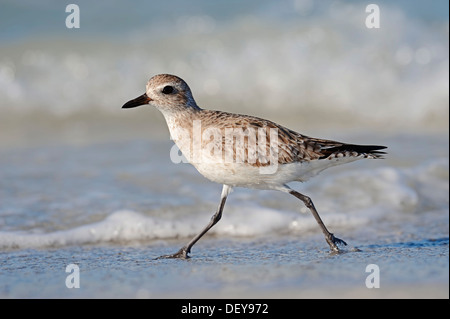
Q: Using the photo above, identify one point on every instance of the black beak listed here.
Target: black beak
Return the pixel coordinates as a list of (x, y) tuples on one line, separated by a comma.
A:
[(141, 100)]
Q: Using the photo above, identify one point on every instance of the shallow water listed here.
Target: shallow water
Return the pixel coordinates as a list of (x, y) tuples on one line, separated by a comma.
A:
[(112, 212), (245, 268)]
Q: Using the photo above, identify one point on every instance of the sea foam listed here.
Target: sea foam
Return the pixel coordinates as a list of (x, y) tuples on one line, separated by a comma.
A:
[(346, 200), (324, 63)]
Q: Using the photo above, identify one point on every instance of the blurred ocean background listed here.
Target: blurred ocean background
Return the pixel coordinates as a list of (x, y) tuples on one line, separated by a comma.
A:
[(84, 180)]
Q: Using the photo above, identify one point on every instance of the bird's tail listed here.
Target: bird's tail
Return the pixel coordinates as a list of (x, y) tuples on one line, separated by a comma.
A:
[(368, 151)]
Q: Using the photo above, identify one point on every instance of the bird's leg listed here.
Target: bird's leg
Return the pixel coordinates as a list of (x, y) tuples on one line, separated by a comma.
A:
[(329, 237), (185, 250)]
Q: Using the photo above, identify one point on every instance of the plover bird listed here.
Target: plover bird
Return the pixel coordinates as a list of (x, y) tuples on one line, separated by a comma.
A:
[(244, 151)]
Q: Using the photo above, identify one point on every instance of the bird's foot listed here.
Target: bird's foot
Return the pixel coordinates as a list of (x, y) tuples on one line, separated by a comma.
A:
[(181, 254), (334, 242)]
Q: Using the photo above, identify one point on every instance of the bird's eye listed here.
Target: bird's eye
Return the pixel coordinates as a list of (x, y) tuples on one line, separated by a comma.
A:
[(168, 89)]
